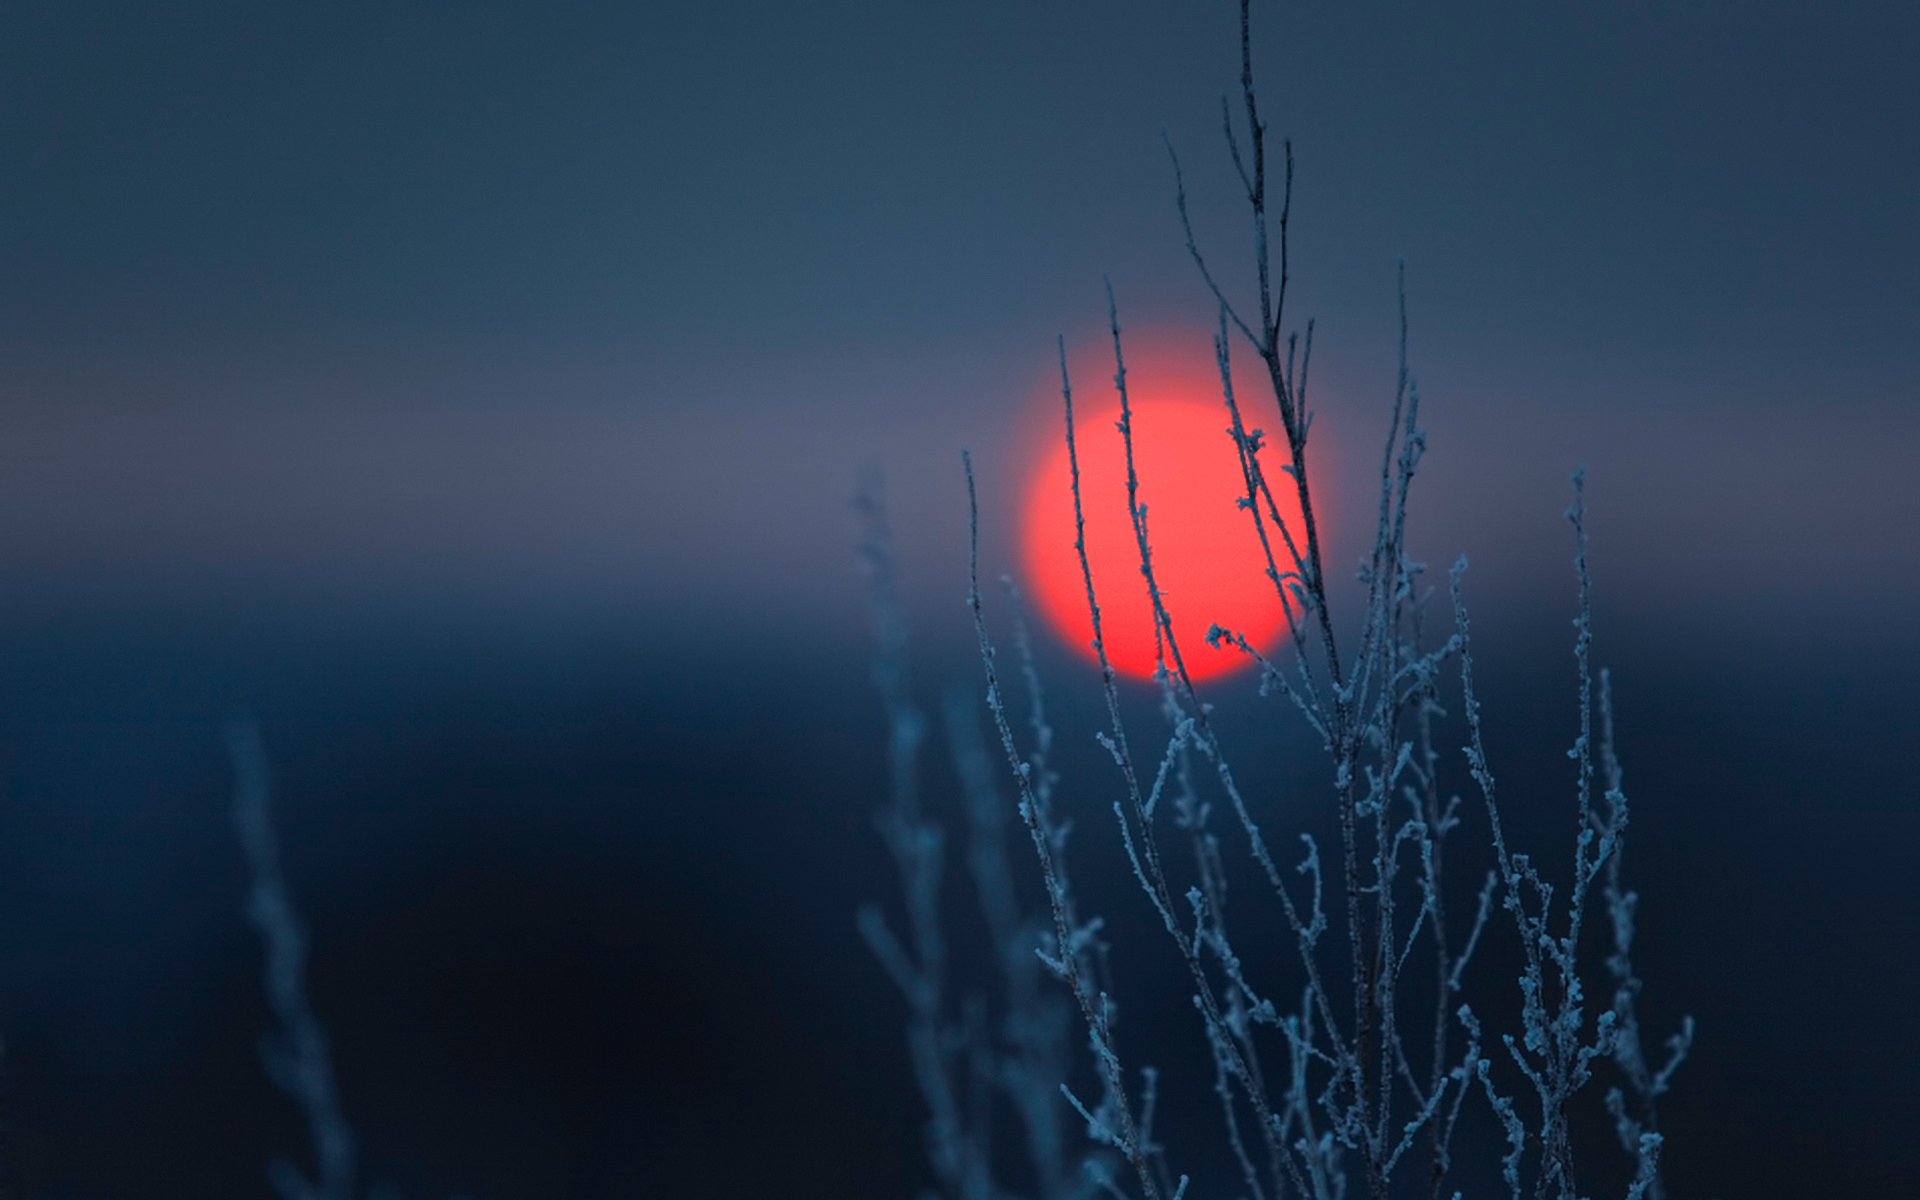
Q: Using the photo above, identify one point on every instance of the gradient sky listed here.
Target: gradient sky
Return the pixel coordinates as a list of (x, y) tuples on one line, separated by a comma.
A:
[(420, 306), (475, 391)]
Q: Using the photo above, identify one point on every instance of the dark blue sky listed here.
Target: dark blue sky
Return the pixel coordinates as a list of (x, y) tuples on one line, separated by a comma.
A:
[(573, 294), (474, 391)]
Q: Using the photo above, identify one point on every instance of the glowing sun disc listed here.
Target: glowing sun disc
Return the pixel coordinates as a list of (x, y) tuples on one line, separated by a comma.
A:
[(1207, 557)]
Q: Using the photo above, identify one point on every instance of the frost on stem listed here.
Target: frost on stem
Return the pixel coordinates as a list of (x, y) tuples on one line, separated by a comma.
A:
[(296, 1056), (982, 1048), (1556, 1050)]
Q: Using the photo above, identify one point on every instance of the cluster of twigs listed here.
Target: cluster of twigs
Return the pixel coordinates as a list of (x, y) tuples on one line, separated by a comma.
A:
[(1341, 1085)]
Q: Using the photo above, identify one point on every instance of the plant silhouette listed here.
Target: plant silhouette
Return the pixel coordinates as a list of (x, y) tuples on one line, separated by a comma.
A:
[(1351, 1074)]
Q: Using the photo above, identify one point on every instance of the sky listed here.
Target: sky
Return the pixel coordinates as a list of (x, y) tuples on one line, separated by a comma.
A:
[(475, 392), (577, 292)]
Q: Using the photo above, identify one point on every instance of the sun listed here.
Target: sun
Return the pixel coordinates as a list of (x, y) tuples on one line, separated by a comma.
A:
[(1207, 556)]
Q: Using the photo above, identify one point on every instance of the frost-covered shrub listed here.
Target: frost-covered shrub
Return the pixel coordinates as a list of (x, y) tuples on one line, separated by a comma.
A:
[(1353, 1077)]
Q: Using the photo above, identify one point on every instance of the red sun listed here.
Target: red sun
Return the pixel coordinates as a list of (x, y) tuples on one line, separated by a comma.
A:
[(1207, 556)]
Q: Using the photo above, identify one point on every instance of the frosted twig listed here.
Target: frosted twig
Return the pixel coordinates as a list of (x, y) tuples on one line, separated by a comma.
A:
[(296, 1058), (1067, 961)]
